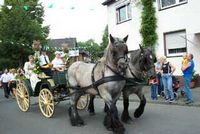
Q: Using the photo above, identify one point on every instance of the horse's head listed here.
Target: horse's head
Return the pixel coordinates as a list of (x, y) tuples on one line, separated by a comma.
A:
[(147, 60), (118, 52)]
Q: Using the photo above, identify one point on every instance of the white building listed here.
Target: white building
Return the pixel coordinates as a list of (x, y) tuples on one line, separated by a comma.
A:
[(178, 27)]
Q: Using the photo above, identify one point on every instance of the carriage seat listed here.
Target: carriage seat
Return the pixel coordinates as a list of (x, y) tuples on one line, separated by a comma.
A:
[(60, 77)]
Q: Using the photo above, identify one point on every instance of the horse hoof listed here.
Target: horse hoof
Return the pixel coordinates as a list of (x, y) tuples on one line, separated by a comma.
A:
[(128, 120), (138, 113), (109, 128)]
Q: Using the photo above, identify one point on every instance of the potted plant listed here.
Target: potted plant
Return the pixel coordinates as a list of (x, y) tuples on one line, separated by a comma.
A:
[(194, 79)]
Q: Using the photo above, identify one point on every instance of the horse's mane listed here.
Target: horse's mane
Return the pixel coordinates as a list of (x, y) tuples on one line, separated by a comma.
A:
[(135, 54)]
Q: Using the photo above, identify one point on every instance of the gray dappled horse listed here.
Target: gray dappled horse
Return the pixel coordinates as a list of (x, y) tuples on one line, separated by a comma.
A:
[(82, 76), (141, 65)]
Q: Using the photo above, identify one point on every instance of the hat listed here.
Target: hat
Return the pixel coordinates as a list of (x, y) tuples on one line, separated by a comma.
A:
[(57, 52)]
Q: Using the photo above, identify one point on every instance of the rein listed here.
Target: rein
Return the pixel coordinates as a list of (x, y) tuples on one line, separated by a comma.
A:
[(95, 84)]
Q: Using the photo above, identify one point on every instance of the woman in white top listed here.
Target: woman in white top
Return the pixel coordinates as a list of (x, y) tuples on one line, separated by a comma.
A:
[(28, 68), (58, 63)]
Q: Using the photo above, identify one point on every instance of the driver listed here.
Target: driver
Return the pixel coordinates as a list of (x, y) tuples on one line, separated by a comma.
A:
[(58, 63)]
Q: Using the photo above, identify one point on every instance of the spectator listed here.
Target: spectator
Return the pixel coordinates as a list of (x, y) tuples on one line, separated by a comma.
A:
[(187, 76), (12, 82), (58, 63), (158, 75), (153, 82), (5, 78), (167, 72)]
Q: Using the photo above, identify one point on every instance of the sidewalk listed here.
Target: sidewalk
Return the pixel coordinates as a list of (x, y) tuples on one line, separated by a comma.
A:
[(179, 101)]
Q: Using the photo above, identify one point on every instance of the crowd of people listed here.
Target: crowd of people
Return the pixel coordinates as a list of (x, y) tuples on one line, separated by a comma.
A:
[(8, 78), (163, 82)]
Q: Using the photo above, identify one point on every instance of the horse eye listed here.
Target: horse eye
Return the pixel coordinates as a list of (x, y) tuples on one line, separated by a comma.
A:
[(150, 57)]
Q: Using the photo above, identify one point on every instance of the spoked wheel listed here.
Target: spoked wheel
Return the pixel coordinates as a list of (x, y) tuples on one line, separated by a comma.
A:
[(83, 102), (46, 102), (22, 97)]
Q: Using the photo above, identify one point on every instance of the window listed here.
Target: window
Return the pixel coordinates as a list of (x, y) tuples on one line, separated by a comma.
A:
[(175, 43), (170, 3), (123, 13)]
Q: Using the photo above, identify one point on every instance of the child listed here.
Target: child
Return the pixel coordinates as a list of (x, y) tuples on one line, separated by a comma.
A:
[(185, 61), (153, 82)]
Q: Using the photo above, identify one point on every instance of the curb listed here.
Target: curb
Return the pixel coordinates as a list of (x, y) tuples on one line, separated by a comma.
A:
[(164, 103)]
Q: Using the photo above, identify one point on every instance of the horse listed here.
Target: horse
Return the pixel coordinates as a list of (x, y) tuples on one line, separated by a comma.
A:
[(141, 65), (104, 78)]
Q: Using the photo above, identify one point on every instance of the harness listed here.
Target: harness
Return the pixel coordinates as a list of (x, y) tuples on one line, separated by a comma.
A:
[(95, 84)]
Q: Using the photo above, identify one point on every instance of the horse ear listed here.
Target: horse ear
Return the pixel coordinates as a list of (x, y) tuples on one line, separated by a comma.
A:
[(125, 38), (141, 48), (112, 40)]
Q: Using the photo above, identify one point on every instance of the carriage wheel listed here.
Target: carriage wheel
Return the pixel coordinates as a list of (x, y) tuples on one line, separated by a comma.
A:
[(83, 102), (22, 97), (46, 102)]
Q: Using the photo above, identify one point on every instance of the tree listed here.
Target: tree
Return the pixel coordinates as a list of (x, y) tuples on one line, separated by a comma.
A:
[(92, 47), (105, 40), (21, 23), (148, 24)]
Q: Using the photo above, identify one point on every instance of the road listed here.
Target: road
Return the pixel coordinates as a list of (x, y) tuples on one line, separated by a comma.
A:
[(157, 119)]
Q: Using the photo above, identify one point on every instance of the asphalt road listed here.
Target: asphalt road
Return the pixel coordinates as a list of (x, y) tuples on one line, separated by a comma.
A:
[(157, 119)]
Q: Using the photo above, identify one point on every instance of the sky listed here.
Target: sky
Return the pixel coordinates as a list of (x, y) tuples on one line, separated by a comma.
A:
[(82, 19)]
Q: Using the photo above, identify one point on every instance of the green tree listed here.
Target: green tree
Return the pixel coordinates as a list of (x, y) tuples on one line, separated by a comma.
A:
[(92, 47), (148, 24), (20, 24), (105, 40)]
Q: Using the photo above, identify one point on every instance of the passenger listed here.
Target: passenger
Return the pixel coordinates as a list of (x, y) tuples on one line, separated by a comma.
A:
[(58, 63), (28, 68), (45, 64)]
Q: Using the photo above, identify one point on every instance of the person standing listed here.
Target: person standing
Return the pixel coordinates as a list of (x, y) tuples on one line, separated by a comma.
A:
[(167, 72), (5, 78), (158, 69), (187, 76), (153, 82)]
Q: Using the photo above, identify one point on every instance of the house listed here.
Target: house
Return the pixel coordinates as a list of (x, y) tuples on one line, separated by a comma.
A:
[(178, 27), (58, 43), (70, 43)]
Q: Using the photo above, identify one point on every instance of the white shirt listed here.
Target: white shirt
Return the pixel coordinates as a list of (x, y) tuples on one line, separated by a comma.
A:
[(28, 68), (5, 78), (12, 76), (57, 63), (42, 60)]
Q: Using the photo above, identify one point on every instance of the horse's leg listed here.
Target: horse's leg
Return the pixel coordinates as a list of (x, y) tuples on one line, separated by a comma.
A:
[(111, 120), (139, 111), (91, 105), (73, 112), (125, 117)]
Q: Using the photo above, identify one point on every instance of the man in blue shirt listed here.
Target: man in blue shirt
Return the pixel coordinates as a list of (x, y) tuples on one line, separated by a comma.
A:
[(187, 76)]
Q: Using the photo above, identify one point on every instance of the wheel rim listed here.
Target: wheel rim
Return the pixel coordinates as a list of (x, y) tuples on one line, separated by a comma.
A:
[(22, 97), (46, 102), (82, 102)]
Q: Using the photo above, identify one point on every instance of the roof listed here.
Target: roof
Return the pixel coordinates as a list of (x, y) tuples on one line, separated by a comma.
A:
[(58, 42), (108, 2)]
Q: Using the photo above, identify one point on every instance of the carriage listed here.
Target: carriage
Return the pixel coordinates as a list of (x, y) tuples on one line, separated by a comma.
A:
[(50, 90)]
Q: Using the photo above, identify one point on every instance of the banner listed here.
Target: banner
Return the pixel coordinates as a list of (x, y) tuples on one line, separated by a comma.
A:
[(73, 53)]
